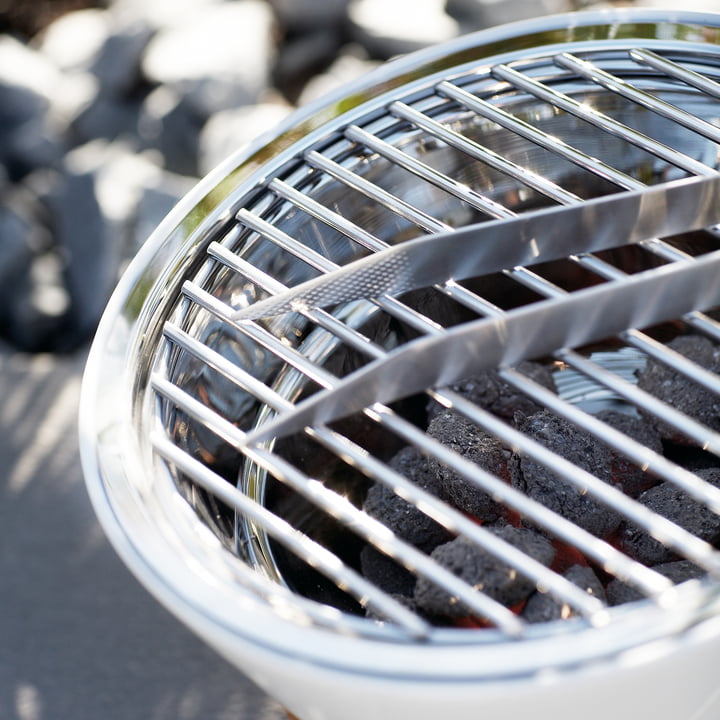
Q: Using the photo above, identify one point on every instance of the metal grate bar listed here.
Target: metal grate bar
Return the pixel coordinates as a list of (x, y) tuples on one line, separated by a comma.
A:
[(629, 91), (456, 521), (316, 555), (374, 192), (300, 544), (327, 216), (695, 431), (641, 455), (661, 528), (613, 561), (320, 317), (375, 532), (706, 438), (604, 122), (479, 152), (672, 69), (230, 370), (651, 347), (427, 173), (285, 242), (314, 259), (538, 137), (283, 352)]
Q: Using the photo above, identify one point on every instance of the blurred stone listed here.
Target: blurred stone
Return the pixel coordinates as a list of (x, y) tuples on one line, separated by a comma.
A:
[(73, 41), (28, 318), (388, 29), (167, 122), (84, 241), (117, 64), (34, 144), (36, 106), (217, 58), (229, 130), (15, 250), (352, 63), (478, 14), (39, 76), (153, 206), (159, 13), (309, 14), (106, 117), (302, 57)]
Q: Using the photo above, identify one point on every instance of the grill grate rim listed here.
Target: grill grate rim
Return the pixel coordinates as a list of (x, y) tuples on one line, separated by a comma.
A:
[(307, 360)]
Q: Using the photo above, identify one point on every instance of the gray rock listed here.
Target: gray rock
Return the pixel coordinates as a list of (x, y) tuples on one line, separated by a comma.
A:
[(34, 144), (85, 242), (35, 107), (388, 29), (158, 13), (32, 301), (16, 252), (227, 131), (38, 75), (117, 64), (155, 203), (217, 58), (302, 57), (353, 62), (74, 40), (167, 122), (309, 14), (106, 117), (477, 14)]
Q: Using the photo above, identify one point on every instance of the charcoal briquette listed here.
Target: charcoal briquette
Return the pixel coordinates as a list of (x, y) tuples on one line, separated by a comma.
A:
[(543, 485), (619, 592), (483, 571), (472, 443), (403, 518), (676, 505), (544, 607), (488, 390), (678, 390)]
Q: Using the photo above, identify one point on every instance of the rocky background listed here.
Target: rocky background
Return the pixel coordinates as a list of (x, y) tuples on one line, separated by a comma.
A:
[(110, 110)]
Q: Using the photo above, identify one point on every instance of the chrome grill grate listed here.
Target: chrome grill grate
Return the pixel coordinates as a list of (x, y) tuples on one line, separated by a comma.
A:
[(478, 143)]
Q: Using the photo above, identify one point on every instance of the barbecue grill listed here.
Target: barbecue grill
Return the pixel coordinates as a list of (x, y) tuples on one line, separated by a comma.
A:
[(311, 484)]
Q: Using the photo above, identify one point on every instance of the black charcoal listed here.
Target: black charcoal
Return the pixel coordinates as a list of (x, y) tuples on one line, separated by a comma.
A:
[(680, 392), (384, 572), (543, 485), (543, 607), (483, 571), (491, 392), (403, 518), (679, 571), (459, 434), (676, 505)]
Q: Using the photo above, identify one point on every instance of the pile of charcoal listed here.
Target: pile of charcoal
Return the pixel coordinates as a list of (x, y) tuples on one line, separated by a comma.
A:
[(500, 581)]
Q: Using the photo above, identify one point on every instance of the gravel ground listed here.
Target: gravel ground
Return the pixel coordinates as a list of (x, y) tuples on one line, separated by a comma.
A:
[(80, 638)]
